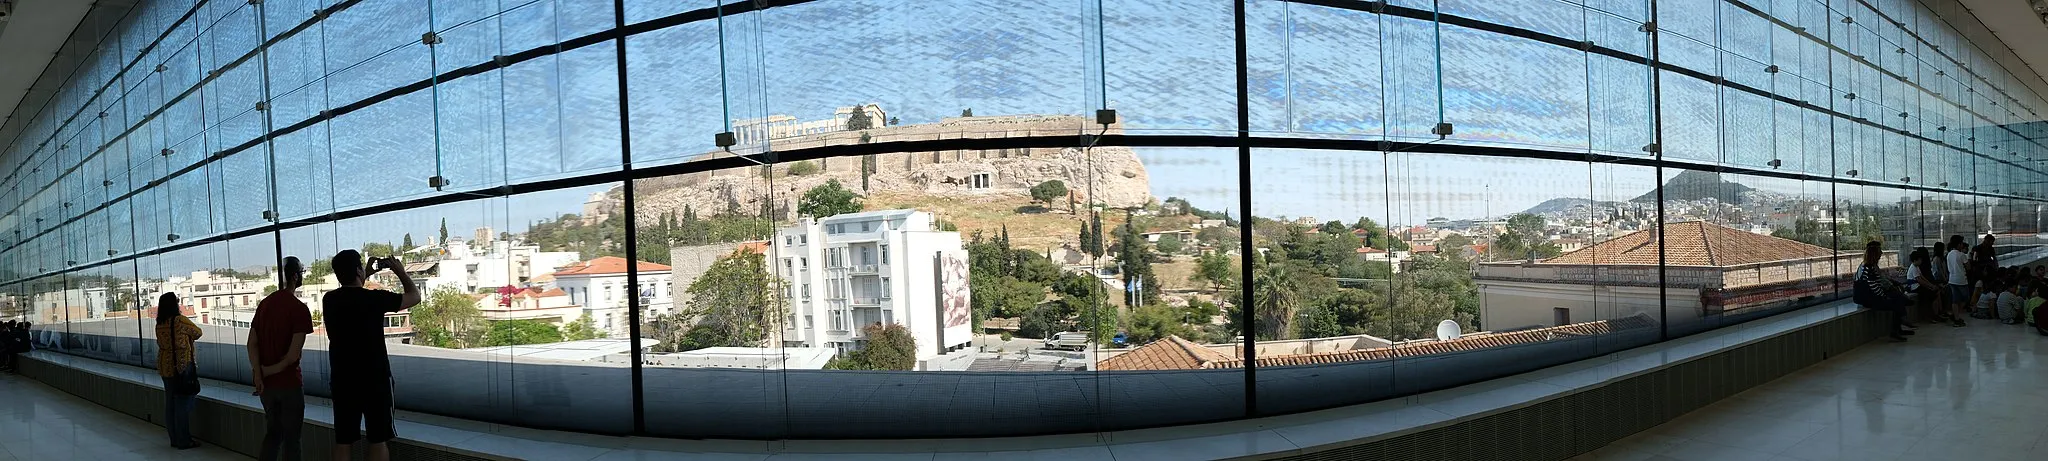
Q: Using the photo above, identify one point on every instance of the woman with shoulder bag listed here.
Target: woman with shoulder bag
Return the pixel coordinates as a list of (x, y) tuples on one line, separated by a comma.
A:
[(175, 336)]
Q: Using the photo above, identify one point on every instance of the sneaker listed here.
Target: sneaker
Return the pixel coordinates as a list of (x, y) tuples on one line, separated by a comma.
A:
[(1956, 322)]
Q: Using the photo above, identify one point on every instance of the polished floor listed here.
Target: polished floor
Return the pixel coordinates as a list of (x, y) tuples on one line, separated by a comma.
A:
[(38, 422), (1978, 393)]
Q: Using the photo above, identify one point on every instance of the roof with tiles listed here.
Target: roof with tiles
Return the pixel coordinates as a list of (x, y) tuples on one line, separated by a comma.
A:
[(1169, 353), (606, 265), (1462, 344), (1692, 243)]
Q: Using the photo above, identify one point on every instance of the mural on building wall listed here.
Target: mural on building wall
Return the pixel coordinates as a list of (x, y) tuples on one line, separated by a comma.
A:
[(953, 290)]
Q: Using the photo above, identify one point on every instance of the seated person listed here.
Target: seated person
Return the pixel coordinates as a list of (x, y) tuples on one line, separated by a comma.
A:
[(2009, 304), (1987, 299), (2033, 302)]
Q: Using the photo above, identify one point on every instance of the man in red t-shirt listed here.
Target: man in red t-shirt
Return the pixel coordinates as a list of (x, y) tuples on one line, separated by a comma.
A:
[(277, 337)]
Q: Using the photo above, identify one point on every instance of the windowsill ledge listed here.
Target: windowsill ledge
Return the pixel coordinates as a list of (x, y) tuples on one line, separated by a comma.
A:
[(1268, 436)]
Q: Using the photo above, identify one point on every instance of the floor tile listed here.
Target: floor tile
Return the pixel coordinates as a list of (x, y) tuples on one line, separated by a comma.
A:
[(1974, 392)]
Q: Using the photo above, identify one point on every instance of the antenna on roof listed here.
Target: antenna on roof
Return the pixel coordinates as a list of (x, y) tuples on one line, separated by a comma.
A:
[(1447, 330)]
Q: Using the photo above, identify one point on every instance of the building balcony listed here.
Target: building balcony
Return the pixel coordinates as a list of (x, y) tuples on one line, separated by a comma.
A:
[(865, 269), (867, 302)]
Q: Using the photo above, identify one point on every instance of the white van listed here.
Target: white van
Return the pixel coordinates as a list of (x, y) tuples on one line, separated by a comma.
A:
[(1068, 340)]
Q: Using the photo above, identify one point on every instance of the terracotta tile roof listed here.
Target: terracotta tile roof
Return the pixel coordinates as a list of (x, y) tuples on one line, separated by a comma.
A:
[(1423, 248), (606, 265), (542, 278), (552, 292), (1170, 353), (1692, 243), (1368, 250), (756, 247), (1462, 344)]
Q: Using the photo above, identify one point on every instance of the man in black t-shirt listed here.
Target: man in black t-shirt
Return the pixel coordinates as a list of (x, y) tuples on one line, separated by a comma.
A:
[(359, 370)]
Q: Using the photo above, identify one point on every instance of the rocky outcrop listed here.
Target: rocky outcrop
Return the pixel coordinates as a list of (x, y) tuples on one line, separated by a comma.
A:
[(1113, 176)]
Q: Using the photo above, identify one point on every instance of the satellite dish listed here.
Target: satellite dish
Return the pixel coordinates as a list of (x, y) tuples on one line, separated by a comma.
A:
[(1447, 330)]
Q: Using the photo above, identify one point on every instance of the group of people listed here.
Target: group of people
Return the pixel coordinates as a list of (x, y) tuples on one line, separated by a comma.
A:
[(14, 341), (1953, 281), (359, 374)]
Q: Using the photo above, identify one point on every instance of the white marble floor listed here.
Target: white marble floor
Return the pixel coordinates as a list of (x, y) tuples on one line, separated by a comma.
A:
[(1979, 392), (38, 422)]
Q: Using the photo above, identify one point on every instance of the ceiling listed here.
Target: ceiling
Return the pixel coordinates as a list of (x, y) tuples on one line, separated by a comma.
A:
[(28, 42), (2015, 23)]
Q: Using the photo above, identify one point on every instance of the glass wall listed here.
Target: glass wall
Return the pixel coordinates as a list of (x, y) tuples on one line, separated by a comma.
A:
[(809, 219)]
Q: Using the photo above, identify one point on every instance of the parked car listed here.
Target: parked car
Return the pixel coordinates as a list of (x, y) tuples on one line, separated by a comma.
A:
[(1068, 340)]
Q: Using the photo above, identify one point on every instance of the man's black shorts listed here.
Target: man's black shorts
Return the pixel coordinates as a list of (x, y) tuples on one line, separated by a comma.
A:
[(367, 404)]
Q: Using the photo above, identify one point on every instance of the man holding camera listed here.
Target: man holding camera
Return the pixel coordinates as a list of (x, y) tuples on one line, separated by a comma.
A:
[(360, 374)]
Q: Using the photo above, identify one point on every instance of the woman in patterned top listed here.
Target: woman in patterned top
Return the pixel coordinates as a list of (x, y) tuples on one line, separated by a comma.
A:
[(175, 336)]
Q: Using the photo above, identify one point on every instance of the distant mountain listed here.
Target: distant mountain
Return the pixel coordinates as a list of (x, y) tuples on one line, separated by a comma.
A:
[(1699, 185), (1564, 203)]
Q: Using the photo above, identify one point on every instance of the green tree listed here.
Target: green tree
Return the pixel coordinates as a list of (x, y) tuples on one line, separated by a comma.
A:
[(735, 302), (860, 119), (968, 112), (444, 233), (378, 250), (1169, 243), (407, 244), (1525, 238), (804, 168), (1042, 321), (448, 318), (1094, 244), (893, 121), (1134, 259), (319, 268), (867, 167), (1274, 300), (1048, 191), (521, 332), (890, 347), (1453, 245), (827, 200), (1153, 322), (581, 329)]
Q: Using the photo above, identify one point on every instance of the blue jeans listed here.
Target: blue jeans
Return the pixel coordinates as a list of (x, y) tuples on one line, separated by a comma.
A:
[(178, 416)]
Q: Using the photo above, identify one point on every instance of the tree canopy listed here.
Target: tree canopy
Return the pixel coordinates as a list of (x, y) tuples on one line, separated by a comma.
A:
[(827, 200), (521, 332), (448, 318), (1047, 192), (734, 303), (890, 347), (860, 119)]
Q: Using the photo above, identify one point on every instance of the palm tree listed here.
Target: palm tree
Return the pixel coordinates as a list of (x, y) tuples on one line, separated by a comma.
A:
[(1274, 300)]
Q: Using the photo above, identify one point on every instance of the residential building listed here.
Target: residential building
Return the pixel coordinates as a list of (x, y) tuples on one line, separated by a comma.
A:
[(599, 286), (848, 271), (550, 305)]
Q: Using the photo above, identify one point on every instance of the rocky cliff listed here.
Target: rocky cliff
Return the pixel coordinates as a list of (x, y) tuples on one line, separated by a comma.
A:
[(1117, 176)]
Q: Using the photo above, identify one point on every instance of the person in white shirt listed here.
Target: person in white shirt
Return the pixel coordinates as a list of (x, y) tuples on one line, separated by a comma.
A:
[(1920, 283), (1958, 280)]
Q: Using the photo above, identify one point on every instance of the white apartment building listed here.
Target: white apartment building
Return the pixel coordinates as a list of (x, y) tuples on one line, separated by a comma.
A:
[(599, 287), (469, 269), (852, 270)]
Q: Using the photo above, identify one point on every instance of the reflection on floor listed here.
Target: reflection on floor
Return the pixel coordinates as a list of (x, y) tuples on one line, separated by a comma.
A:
[(1978, 392), (38, 422)]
